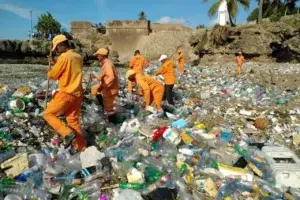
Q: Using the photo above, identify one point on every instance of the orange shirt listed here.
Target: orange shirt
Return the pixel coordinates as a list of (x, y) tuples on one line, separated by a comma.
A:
[(148, 85), (68, 72), (109, 78), (240, 60), (137, 63), (180, 59), (167, 70)]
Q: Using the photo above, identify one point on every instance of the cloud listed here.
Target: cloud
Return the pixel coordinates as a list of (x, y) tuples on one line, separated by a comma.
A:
[(22, 12), (170, 20)]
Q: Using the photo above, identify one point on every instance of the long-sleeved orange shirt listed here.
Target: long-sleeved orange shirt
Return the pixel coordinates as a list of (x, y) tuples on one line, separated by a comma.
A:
[(180, 58), (138, 63), (109, 78), (167, 70), (68, 72), (240, 60), (148, 85)]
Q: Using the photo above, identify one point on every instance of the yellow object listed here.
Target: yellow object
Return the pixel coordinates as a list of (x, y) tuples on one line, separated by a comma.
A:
[(130, 73), (255, 169), (200, 126), (151, 89), (210, 187), (239, 61), (101, 51), (68, 105), (18, 164), (167, 70), (186, 138), (228, 170), (58, 39), (68, 72)]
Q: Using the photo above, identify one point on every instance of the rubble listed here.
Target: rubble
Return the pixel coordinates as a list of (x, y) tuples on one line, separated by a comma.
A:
[(226, 137)]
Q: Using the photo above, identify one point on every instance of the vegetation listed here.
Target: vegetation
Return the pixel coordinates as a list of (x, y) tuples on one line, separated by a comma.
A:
[(232, 7), (142, 16), (274, 9), (47, 26), (200, 26)]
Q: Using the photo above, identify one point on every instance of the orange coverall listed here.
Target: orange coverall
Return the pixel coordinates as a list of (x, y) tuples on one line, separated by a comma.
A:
[(137, 63), (67, 101), (151, 89), (181, 62), (239, 61), (109, 86), (167, 70)]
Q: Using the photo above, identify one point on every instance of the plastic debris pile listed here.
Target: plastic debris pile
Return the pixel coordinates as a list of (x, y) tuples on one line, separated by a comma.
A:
[(226, 138)]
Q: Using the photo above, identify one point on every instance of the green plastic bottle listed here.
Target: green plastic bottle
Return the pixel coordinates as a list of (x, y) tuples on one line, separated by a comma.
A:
[(152, 175), (133, 186), (182, 169)]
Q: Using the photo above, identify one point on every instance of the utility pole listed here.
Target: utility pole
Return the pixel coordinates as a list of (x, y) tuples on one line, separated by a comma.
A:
[(261, 3), (31, 23)]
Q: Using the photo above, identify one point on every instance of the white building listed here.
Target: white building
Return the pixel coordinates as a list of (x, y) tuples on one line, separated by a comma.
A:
[(223, 13)]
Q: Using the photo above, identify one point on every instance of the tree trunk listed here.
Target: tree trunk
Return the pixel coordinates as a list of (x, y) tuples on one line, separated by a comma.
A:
[(260, 13)]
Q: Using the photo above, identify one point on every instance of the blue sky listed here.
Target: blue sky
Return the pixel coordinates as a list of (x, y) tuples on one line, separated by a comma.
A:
[(15, 14)]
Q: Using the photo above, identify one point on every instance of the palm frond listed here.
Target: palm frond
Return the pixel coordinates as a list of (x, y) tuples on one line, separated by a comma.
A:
[(245, 4), (214, 8)]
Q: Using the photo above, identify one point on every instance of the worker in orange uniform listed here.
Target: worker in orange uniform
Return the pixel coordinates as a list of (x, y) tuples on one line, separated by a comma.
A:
[(167, 70), (180, 60), (67, 101), (137, 63), (239, 62), (152, 90), (107, 90)]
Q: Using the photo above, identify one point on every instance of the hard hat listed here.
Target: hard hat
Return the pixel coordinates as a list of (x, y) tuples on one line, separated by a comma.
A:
[(58, 39), (102, 51), (163, 57), (129, 73)]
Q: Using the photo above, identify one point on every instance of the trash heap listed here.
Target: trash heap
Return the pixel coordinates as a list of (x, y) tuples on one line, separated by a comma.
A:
[(226, 138)]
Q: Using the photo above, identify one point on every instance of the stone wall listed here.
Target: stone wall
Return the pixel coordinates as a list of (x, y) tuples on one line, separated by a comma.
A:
[(125, 35), (156, 27)]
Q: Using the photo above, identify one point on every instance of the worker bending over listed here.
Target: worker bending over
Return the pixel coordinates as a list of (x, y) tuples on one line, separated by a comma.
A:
[(67, 101), (137, 63), (239, 62), (151, 89), (167, 70), (180, 60), (107, 89)]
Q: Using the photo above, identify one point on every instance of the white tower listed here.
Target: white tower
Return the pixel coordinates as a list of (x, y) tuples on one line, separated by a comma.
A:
[(223, 13)]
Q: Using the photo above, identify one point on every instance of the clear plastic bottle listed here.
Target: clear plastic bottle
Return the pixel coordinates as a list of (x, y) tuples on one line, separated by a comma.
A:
[(91, 187)]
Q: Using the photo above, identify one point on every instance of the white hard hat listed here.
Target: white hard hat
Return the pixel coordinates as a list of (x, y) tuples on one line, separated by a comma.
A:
[(163, 57)]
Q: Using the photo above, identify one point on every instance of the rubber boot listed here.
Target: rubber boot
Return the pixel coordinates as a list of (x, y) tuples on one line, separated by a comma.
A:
[(100, 100), (112, 118)]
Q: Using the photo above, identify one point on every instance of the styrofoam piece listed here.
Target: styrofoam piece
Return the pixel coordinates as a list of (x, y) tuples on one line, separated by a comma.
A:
[(284, 165), (205, 93), (90, 157)]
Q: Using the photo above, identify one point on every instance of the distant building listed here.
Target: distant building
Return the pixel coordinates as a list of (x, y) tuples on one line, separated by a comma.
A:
[(223, 13)]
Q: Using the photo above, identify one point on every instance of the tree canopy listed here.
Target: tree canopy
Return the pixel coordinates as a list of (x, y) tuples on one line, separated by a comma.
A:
[(47, 25), (142, 15)]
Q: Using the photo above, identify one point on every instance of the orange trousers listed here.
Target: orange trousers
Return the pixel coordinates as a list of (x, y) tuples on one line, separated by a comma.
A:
[(157, 95), (108, 103), (238, 69), (181, 68), (68, 105)]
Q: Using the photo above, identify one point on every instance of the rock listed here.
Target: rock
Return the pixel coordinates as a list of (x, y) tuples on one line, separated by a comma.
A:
[(260, 123)]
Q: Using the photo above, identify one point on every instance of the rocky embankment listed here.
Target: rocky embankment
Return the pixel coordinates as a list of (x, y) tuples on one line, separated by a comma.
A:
[(269, 41)]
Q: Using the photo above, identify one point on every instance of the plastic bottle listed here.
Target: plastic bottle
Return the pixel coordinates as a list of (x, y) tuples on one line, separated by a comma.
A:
[(91, 187), (133, 186), (7, 155), (68, 179), (152, 175)]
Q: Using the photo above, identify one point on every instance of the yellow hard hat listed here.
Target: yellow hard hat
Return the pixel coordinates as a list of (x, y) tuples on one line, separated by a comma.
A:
[(58, 39), (102, 51), (129, 73)]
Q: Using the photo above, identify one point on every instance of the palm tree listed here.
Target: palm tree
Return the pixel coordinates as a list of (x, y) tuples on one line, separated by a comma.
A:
[(142, 15), (260, 15), (232, 7)]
